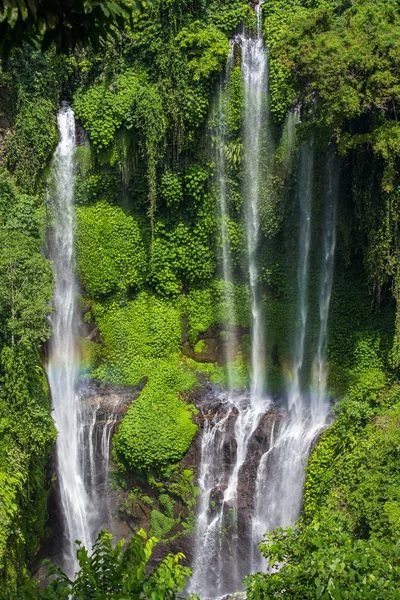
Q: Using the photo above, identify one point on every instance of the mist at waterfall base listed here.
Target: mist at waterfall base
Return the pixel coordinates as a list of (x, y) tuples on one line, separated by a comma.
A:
[(84, 427), (254, 450)]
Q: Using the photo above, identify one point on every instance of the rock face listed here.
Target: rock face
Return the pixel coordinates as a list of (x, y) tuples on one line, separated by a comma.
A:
[(211, 346), (228, 502)]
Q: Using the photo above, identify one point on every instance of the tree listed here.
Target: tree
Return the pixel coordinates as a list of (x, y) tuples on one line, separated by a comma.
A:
[(25, 288), (115, 573), (68, 23), (323, 561)]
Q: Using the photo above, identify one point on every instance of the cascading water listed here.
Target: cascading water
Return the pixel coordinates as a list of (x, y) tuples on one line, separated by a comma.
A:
[(208, 574), (63, 362), (281, 473), (227, 273), (305, 197), (253, 453), (84, 428), (97, 423), (211, 578), (318, 392), (255, 80)]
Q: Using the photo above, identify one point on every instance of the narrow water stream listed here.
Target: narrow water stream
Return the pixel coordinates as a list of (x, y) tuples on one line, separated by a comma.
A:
[(64, 355), (84, 425)]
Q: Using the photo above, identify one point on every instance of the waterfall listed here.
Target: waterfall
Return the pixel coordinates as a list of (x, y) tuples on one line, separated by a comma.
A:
[(280, 475), (281, 472), (84, 426), (227, 273), (305, 197), (64, 358), (209, 576), (208, 579), (212, 575), (331, 179), (255, 75), (253, 452), (97, 422), (255, 80)]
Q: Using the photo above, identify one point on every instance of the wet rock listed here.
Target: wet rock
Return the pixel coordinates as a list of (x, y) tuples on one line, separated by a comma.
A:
[(211, 346), (114, 398)]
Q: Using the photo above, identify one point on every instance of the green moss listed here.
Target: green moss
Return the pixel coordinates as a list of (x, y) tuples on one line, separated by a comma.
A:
[(200, 346), (140, 336), (209, 306), (157, 429), (160, 524), (110, 249), (90, 353)]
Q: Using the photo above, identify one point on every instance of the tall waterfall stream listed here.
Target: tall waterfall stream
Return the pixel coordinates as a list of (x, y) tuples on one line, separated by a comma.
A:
[(84, 426)]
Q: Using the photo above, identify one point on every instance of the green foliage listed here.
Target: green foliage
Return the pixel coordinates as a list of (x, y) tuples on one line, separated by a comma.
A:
[(182, 485), (171, 189), (116, 572), (227, 17), (157, 429), (25, 275), (67, 23), (141, 336), (26, 429), (28, 149), (27, 434), (160, 524), (354, 470), (344, 56), (111, 256), (209, 306), (325, 562), (179, 256), (207, 48)]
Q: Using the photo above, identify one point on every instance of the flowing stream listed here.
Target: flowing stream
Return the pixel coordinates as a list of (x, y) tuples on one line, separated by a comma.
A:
[(326, 281), (255, 80), (64, 356), (84, 426), (213, 573), (280, 475)]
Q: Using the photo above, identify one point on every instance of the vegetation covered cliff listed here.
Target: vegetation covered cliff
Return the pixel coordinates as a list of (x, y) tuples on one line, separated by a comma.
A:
[(148, 244)]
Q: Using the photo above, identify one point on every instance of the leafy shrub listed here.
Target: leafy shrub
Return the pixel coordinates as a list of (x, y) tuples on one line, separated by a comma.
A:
[(115, 572), (325, 562), (111, 255), (141, 336), (157, 429)]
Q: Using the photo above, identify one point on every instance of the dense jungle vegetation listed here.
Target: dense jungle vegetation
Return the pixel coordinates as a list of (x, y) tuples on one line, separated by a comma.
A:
[(148, 246)]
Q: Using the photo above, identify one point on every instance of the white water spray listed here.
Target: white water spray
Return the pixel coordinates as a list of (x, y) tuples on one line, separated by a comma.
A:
[(281, 473), (227, 270), (255, 80), (318, 394), (305, 198), (64, 359)]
